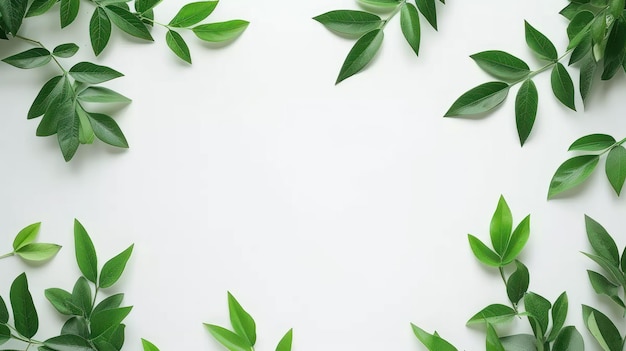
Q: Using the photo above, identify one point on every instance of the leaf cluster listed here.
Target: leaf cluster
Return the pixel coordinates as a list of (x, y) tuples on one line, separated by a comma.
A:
[(369, 27), (25, 247), (243, 336)]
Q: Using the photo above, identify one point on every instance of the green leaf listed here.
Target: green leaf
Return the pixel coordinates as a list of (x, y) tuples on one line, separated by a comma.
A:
[(148, 346), (68, 131), (62, 301), (26, 235), (58, 109), (69, 11), (68, 342), (493, 341), (492, 314), (616, 168), (578, 28), (143, 6), (285, 343), (602, 285), (433, 342), (479, 99), (99, 30), (39, 7), (101, 95), (592, 142), (518, 241), (539, 43), (193, 13), (383, 4), (37, 251), (602, 329), (5, 334), (572, 173), (220, 31), (177, 44), (4, 312), (601, 241), (85, 132), (230, 340), (81, 296), (31, 58), (483, 253), (526, 103), (361, 54), (569, 339), (587, 73), (242, 322), (519, 342), (90, 73), (429, 10), (584, 48), (113, 269), (538, 307), (608, 266), (623, 261), (501, 64), (349, 21), (107, 130), (65, 50), (614, 50), (501, 226), (12, 13), (559, 313), (85, 253), (76, 326), (562, 85), (105, 319), (113, 301), (50, 90), (128, 22), (24, 312), (410, 24), (517, 284)]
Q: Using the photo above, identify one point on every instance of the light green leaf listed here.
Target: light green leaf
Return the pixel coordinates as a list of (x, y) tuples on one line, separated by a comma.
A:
[(128, 22), (569, 340), (492, 314), (50, 90), (65, 50), (572, 173), (101, 95), (501, 226), (539, 43), (85, 253), (479, 99), (349, 21), (483, 253), (91, 73), (410, 24), (105, 319), (526, 103), (148, 346), (559, 313), (113, 269), (562, 85), (37, 251), (285, 343), (220, 31), (143, 6), (107, 130), (429, 10), (39, 7), (68, 342), (382, 4), (193, 13), (433, 342), (24, 313), (31, 58), (601, 241), (242, 322), (493, 341), (99, 30), (592, 142), (616, 168), (230, 340), (361, 54), (517, 284), (518, 241), (501, 64), (178, 45), (602, 329), (26, 235)]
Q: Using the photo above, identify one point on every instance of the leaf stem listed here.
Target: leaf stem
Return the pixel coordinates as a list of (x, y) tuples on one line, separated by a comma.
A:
[(142, 17), (542, 69), (38, 43), (7, 255), (395, 12)]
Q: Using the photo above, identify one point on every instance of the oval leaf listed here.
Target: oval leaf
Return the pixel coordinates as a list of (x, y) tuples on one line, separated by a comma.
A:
[(479, 99), (69, 11), (501, 64), (361, 54), (24, 312), (177, 44), (569, 339), (50, 90), (85, 253), (26, 235), (493, 314), (90, 73), (601, 241), (65, 50), (562, 85), (221, 31), (349, 21), (572, 173), (105, 319), (31, 58), (230, 340), (410, 24), (482, 252), (101, 95), (592, 142), (526, 103), (518, 241), (242, 322), (382, 4), (68, 342), (539, 43), (99, 30), (38, 252), (113, 269), (429, 10), (433, 342), (501, 226), (128, 22), (107, 130), (193, 13), (517, 284), (616, 168)]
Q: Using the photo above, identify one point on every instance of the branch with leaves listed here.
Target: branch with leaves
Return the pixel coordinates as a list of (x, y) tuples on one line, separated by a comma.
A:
[(369, 28), (25, 247)]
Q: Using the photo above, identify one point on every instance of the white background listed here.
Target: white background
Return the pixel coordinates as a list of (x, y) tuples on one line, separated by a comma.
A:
[(341, 211)]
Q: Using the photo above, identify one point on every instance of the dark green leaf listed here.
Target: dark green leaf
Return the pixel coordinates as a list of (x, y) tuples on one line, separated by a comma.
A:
[(623, 261), (592, 142), (230, 340), (50, 90), (68, 132), (562, 85), (113, 269), (69, 11), (99, 30), (4, 312), (177, 44), (602, 329), (526, 103), (285, 343), (501, 226), (616, 8), (493, 341), (479, 99), (539, 43), (81, 296), (221, 31), (501, 64), (193, 13), (26, 235), (616, 168), (31, 58), (587, 72), (68, 342), (241, 321), (148, 346), (601, 241), (559, 313), (90, 73), (572, 173), (12, 13), (584, 48), (519, 342), (107, 130), (60, 107), (614, 50), (493, 314), (24, 312), (114, 337), (102, 95), (517, 284), (76, 326), (38, 251), (483, 253), (62, 301), (39, 7), (113, 301), (429, 10), (410, 24), (65, 50), (570, 10), (608, 266), (361, 54), (569, 340), (383, 4), (106, 319), (85, 253), (538, 307), (433, 342), (578, 28), (5, 334), (349, 21), (146, 5), (128, 22), (602, 285)]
